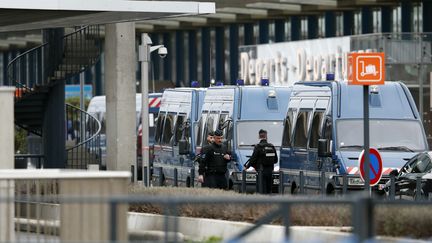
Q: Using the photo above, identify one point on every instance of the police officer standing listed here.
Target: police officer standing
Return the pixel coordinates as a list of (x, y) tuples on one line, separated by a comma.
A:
[(263, 159), (215, 160), (202, 165)]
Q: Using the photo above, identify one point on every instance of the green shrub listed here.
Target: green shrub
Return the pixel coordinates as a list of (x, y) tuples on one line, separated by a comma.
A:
[(20, 140)]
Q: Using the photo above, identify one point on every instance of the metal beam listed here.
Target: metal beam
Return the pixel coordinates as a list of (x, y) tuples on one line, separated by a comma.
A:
[(331, 3), (168, 23), (244, 11), (275, 6)]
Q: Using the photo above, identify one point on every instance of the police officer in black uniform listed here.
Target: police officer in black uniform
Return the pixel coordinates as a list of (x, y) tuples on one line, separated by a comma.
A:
[(263, 159), (215, 160), (202, 165)]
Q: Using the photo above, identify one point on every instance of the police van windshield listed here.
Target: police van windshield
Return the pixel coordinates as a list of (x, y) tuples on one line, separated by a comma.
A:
[(247, 132), (385, 135)]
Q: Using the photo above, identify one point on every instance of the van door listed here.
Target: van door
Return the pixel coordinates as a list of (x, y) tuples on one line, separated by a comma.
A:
[(314, 165), (179, 161), (300, 153)]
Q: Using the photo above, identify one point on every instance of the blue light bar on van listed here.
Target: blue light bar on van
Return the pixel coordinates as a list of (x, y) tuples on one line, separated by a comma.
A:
[(195, 84), (240, 82), (219, 83), (265, 82), (330, 76)]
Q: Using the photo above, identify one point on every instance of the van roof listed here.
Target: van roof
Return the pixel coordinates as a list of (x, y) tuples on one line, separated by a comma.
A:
[(98, 103), (392, 100), (254, 100)]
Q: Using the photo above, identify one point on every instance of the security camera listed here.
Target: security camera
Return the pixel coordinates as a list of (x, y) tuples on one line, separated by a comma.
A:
[(163, 52)]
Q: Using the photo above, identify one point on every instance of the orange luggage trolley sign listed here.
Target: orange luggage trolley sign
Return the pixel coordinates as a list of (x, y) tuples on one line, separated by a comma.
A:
[(366, 68)]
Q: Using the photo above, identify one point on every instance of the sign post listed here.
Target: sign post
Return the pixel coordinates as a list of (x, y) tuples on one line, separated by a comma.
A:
[(366, 69)]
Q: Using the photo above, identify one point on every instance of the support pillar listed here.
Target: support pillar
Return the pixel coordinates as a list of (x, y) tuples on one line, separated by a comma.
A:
[(220, 54), (54, 131), (263, 31), (7, 128), (205, 50), (192, 46), (120, 67), (330, 24), (406, 12), (366, 20), (7, 229), (386, 19), (234, 53), (295, 28), (427, 16), (248, 34), (279, 30), (348, 21), (179, 49), (167, 61), (312, 26)]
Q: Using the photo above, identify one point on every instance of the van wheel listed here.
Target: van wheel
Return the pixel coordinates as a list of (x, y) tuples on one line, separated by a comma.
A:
[(294, 188), (330, 189), (188, 182), (163, 180)]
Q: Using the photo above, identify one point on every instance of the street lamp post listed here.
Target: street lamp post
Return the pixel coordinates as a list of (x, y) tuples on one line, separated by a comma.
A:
[(144, 57)]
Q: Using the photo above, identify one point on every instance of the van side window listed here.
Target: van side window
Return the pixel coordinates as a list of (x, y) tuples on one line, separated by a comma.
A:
[(208, 127), (179, 127), (315, 129), (286, 137), (159, 125), (327, 131), (301, 130), (201, 125), (168, 129)]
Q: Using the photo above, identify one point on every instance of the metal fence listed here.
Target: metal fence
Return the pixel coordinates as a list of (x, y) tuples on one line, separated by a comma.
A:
[(93, 207), (29, 199)]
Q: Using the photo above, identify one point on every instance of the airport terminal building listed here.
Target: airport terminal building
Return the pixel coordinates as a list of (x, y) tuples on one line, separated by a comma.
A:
[(210, 47)]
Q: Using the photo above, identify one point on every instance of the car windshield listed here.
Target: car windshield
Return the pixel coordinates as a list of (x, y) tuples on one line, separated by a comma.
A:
[(385, 135), (247, 132), (420, 163)]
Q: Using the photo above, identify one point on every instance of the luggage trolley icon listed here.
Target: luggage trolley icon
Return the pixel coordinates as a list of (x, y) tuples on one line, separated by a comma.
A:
[(370, 69)]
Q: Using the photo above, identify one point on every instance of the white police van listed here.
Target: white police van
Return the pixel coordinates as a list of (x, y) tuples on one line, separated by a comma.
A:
[(323, 132), (175, 146), (97, 109), (241, 111)]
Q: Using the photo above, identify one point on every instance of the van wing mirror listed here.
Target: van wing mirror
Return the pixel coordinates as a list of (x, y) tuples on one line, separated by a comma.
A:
[(324, 148), (183, 147), (224, 124)]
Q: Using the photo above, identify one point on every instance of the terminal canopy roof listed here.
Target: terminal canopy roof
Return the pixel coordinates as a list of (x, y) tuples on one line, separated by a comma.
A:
[(29, 14)]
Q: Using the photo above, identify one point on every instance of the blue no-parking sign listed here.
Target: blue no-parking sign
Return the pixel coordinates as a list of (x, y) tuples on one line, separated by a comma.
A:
[(375, 166)]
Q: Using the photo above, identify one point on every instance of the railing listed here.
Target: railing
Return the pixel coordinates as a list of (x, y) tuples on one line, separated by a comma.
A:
[(47, 205), (57, 60), (83, 138), (93, 207)]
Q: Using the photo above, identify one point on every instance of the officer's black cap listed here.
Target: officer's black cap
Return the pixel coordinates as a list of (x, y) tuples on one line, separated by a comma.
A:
[(211, 133), (262, 131), (218, 133)]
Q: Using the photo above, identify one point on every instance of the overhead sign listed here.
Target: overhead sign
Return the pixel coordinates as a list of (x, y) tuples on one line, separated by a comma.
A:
[(375, 166), (366, 68)]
